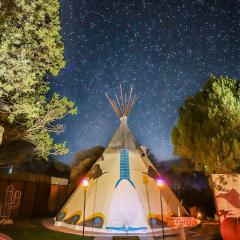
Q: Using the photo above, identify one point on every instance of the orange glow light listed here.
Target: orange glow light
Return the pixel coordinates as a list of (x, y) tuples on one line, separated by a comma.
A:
[(85, 182), (160, 182)]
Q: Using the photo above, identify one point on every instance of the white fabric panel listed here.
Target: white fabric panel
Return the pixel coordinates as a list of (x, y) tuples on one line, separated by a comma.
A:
[(125, 209)]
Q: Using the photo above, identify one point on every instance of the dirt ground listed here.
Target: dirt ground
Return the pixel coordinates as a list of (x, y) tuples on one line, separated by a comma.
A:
[(206, 231)]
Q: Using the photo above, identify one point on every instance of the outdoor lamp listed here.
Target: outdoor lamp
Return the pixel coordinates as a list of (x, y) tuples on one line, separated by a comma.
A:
[(160, 183), (199, 215), (84, 183)]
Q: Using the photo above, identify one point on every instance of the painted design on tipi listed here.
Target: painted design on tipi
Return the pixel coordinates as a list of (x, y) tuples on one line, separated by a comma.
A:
[(61, 215), (95, 172), (73, 219), (155, 220), (124, 167), (152, 172), (95, 221)]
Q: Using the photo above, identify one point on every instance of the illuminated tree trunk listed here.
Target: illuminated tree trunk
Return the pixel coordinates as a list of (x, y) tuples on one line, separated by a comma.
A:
[(1, 134)]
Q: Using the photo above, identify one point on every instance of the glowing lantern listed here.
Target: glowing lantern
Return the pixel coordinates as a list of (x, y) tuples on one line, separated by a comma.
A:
[(160, 182), (85, 182)]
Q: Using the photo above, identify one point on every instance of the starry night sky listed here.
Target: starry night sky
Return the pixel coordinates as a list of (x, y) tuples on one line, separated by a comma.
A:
[(165, 49)]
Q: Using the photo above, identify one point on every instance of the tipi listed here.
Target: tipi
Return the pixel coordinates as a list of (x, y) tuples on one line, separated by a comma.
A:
[(122, 195)]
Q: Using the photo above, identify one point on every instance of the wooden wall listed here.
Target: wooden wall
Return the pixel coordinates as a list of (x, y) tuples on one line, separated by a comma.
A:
[(40, 195)]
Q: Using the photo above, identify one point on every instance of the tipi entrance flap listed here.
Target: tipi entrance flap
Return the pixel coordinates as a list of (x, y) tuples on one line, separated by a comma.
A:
[(125, 210)]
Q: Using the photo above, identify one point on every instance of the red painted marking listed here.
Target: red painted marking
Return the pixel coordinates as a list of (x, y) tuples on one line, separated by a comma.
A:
[(182, 222)]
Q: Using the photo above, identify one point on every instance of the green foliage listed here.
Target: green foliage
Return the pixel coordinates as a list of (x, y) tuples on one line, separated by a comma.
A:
[(30, 48), (207, 131)]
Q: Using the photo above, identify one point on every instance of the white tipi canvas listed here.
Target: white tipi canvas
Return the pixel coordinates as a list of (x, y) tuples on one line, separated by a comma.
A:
[(122, 194)]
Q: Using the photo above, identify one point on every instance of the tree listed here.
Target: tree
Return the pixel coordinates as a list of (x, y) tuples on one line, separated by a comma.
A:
[(30, 48), (207, 131)]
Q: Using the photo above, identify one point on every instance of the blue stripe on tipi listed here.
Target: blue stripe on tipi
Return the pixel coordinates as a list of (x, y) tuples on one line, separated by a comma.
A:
[(126, 228), (124, 167)]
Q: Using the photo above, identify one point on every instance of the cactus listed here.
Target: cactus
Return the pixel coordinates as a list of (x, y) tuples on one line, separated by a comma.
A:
[(12, 201)]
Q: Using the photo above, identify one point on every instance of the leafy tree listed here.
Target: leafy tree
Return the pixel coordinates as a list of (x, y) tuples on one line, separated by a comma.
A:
[(30, 48), (207, 131)]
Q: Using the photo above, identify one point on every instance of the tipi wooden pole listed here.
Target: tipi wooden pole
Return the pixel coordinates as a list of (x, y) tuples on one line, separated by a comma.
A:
[(113, 106), (123, 108), (119, 105), (122, 99)]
